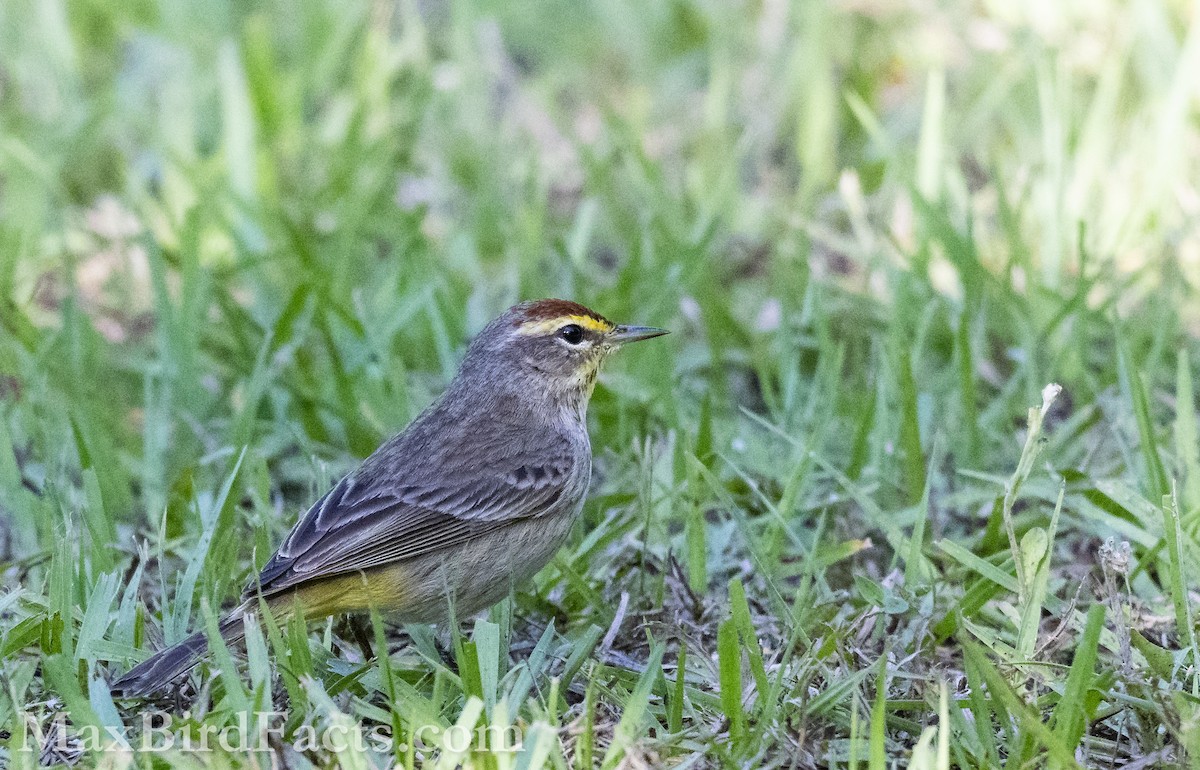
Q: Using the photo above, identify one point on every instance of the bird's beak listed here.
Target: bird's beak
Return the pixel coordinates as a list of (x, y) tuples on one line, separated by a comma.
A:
[(624, 334)]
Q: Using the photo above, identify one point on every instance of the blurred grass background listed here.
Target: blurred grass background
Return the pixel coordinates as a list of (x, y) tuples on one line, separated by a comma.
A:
[(241, 243)]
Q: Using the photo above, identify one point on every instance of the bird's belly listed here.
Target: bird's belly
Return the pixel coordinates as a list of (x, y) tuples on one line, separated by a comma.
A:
[(476, 575)]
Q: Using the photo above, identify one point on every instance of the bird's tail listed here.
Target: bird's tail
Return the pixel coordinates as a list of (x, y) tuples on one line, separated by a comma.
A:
[(154, 673)]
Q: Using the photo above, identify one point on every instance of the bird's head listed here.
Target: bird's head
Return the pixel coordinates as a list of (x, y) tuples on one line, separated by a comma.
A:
[(549, 346)]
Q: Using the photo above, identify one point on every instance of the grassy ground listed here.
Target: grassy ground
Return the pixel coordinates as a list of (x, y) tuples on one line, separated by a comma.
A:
[(241, 245)]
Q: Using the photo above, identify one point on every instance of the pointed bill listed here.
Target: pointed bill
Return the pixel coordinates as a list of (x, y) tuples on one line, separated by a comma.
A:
[(623, 334)]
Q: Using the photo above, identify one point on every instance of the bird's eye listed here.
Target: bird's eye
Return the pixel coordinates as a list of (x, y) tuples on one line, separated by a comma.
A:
[(572, 333)]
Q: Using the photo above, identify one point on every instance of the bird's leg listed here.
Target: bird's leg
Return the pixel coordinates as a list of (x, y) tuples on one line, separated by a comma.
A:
[(446, 641), (356, 627)]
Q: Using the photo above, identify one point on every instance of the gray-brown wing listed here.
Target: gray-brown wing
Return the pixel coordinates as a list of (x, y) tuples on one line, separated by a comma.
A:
[(358, 526)]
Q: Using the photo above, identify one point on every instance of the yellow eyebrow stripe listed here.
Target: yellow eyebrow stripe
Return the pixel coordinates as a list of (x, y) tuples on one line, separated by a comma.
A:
[(551, 324)]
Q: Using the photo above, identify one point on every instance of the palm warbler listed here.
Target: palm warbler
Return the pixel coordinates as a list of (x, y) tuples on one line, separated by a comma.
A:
[(472, 498)]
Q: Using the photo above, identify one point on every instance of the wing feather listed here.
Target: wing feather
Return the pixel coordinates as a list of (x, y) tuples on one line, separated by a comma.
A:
[(359, 525)]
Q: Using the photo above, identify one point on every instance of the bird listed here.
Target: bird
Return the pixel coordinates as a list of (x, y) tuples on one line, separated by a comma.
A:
[(470, 500)]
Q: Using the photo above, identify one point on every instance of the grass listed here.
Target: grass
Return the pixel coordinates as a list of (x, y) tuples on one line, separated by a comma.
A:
[(832, 523)]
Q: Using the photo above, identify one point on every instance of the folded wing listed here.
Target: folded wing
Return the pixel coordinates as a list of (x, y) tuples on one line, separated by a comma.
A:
[(361, 524)]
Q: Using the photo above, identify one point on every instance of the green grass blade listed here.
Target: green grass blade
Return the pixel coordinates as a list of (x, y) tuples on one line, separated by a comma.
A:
[(636, 707), (1155, 475), (877, 757), (1029, 720), (1187, 444), (729, 656), (1029, 454), (740, 610), (1178, 588), (1070, 718), (1037, 549)]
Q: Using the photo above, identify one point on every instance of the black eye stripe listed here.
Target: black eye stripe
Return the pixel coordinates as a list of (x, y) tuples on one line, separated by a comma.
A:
[(572, 333)]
